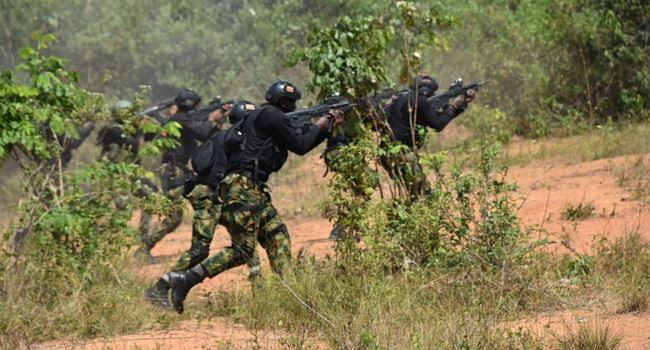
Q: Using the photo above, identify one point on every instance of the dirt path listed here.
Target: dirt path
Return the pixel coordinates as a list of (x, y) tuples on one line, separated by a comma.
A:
[(216, 333), (547, 188)]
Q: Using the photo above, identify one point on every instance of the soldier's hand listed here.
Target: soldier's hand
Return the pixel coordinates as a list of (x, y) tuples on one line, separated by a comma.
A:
[(335, 115), (227, 108), (338, 116), (471, 94), (216, 115), (457, 101)]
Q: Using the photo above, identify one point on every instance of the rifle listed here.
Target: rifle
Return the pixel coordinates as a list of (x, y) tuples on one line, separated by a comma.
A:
[(204, 112), (455, 89), (303, 117), (154, 110)]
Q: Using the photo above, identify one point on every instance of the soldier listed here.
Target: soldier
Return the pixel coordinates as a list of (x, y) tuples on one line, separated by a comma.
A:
[(247, 210), (175, 169), (201, 191), (409, 115), (118, 147)]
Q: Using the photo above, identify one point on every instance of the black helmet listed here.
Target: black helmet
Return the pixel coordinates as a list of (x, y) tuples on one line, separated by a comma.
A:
[(187, 100), (240, 110), (283, 94), (425, 85)]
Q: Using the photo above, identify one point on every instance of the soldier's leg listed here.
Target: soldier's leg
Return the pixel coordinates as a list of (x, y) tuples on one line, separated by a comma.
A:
[(274, 237), (171, 221), (241, 250), (241, 201), (204, 222)]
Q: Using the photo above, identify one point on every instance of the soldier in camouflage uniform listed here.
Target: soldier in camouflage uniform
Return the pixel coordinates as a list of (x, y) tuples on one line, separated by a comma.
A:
[(247, 211), (118, 147), (202, 192), (175, 169)]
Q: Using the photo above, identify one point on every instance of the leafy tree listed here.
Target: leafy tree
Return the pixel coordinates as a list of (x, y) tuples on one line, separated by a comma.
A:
[(67, 235)]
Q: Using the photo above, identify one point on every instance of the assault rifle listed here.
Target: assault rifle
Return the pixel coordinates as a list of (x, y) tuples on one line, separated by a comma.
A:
[(154, 111), (437, 101), (303, 117), (455, 89), (204, 112)]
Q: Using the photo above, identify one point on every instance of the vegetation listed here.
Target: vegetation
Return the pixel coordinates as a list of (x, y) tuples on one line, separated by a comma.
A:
[(62, 267), (448, 270), (575, 212), (567, 64), (589, 337)]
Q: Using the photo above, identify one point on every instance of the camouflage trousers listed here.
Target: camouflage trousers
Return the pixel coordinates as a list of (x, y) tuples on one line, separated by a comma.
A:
[(250, 217), (405, 169), (172, 181), (145, 188), (204, 222)]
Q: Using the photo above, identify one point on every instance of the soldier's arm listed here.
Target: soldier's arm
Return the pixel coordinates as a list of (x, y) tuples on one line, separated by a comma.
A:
[(203, 129), (438, 120), (297, 140)]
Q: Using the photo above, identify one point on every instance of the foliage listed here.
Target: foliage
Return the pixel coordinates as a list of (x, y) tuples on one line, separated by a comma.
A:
[(34, 115), (580, 211), (549, 68), (350, 56), (67, 238), (553, 64)]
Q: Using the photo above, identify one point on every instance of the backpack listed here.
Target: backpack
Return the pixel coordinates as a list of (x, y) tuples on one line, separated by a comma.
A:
[(203, 158), (235, 139)]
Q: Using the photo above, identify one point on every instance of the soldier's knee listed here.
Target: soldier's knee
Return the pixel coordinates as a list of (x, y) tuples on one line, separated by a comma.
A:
[(276, 237)]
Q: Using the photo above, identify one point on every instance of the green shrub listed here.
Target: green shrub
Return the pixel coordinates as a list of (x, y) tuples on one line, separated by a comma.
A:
[(62, 266), (580, 211)]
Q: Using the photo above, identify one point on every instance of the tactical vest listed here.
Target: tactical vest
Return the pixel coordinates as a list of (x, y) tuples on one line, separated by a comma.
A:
[(259, 157), (399, 120)]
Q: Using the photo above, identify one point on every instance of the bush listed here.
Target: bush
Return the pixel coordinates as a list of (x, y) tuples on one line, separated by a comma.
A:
[(62, 269)]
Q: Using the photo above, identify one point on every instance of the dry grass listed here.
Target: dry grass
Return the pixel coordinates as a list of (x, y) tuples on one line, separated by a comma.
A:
[(588, 337)]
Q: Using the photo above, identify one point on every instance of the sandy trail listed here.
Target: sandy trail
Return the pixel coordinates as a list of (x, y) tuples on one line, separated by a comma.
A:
[(546, 188)]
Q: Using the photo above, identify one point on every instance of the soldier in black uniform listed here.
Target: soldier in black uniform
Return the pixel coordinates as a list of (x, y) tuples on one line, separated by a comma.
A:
[(409, 115), (175, 168), (247, 210), (201, 191)]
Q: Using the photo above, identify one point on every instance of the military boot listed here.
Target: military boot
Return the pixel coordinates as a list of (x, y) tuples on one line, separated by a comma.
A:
[(157, 295), (181, 283)]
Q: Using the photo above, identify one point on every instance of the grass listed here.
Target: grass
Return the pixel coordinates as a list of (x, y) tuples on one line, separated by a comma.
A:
[(112, 305), (589, 337), (599, 143), (627, 263), (580, 211), (438, 308), (636, 178)]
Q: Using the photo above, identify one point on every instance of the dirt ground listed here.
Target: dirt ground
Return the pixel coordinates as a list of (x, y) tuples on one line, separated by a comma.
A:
[(546, 189)]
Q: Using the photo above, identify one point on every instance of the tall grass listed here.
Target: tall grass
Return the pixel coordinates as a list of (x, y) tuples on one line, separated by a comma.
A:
[(35, 309), (437, 307)]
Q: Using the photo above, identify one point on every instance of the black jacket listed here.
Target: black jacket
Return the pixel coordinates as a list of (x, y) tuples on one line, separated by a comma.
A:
[(399, 118), (268, 138), (193, 130)]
